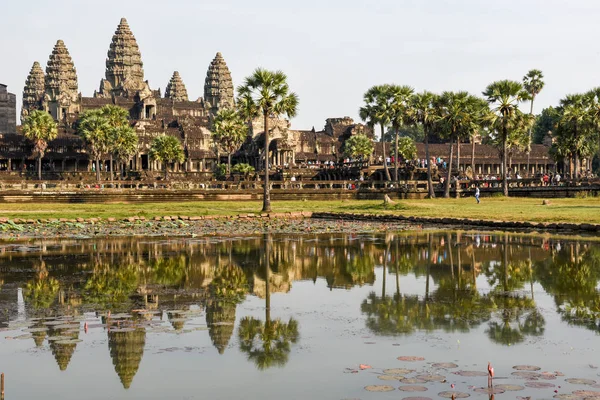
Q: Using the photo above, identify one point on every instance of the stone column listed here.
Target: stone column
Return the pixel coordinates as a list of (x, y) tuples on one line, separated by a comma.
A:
[(9, 166)]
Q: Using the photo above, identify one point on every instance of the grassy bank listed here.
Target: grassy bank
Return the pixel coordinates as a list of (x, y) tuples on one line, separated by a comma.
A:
[(511, 209)]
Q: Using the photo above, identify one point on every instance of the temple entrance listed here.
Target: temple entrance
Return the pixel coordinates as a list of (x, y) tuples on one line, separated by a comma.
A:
[(149, 111), (144, 159)]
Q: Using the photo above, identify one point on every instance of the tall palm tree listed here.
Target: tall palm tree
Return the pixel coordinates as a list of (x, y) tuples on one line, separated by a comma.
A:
[(123, 143), (94, 130), (458, 118), (533, 84), (40, 128), (377, 111), (271, 96), (166, 149), (574, 125), (505, 97), (116, 117), (424, 113), (229, 132), (399, 115)]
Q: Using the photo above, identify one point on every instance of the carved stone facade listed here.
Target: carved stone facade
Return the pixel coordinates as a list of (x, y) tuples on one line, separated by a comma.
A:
[(61, 97), (218, 86), (33, 93), (176, 88), (8, 111)]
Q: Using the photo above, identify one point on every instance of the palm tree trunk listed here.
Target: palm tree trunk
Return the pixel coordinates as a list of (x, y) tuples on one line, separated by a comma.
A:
[(385, 254), (385, 167), (166, 170), (98, 169), (40, 167), (504, 156), (473, 155), (228, 163), (429, 182), (267, 192), (449, 174), (429, 242), (458, 156), (396, 158), (112, 176), (267, 283), (530, 129), (576, 164)]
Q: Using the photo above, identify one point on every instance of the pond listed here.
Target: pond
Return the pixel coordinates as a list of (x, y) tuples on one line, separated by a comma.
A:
[(340, 316)]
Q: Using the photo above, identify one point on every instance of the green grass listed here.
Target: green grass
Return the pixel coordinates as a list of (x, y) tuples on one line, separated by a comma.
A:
[(506, 209)]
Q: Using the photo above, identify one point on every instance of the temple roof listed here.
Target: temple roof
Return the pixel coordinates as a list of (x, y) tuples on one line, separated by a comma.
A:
[(33, 92), (176, 88), (61, 76), (218, 86), (124, 62)]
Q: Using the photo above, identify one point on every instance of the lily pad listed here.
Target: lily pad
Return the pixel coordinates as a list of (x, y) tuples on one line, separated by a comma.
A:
[(587, 393), (526, 368), (579, 381), (489, 390), (379, 388), (568, 396), (413, 388), (34, 330), (539, 385), (453, 395), (431, 378), (390, 377), (445, 365), (398, 371), (510, 388), (471, 373), (411, 358), (70, 341), (55, 338), (527, 374), (412, 381)]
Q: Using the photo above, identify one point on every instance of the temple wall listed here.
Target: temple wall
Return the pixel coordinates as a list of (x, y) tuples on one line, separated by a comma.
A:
[(8, 111)]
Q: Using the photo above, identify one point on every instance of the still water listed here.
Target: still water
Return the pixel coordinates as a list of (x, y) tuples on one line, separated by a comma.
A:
[(294, 317)]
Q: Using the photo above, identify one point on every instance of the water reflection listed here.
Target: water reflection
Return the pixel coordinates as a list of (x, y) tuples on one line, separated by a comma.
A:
[(450, 282)]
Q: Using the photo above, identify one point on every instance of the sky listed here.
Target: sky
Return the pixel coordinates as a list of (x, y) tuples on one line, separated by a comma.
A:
[(331, 50)]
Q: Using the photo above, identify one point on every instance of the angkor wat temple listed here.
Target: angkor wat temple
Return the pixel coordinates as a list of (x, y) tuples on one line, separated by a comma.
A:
[(152, 113)]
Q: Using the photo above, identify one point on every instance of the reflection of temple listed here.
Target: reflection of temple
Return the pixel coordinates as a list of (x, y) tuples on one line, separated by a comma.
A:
[(220, 319), (64, 348), (126, 346)]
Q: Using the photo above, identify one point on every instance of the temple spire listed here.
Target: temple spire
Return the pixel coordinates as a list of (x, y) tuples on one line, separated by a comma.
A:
[(60, 84), (218, 86), (33, 92), (124, 67), (176, 88)]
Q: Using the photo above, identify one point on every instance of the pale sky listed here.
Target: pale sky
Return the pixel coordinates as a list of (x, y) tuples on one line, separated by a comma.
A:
[(331, 50)]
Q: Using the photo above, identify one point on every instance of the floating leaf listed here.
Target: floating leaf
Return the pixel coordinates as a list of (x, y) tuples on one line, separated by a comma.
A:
[(398, 371), (411, 381), (510, 388), (431, 378), (379, 388), (413, 388), (526, 368), (390, 377), (579, 381), (453, 395), (411, 358), (489, 390), (539, 385), (527, 374), (445, 365)]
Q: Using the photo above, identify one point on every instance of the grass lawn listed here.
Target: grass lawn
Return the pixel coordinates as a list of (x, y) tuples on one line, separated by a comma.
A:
[(511, 209)]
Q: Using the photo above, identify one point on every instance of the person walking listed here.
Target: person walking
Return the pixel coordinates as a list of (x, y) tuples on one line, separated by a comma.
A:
[(477, 194)]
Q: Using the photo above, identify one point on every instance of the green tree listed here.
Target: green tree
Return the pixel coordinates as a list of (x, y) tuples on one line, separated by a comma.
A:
[(117, 119), (377, 111), (243, 169), (166, 149), (574, 126), (40, 128), (400, 110), (424, 114), (358, 146), (533, 83), (405, 148), (505, 97), (459, 117), (123, 144), (544, 123), (229, 132), (271, 96), (93, 127)]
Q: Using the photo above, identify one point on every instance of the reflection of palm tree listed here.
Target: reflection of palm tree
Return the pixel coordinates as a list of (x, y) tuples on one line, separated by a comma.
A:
[(111, 286), (267, 343), (126, 348), (41, 293)]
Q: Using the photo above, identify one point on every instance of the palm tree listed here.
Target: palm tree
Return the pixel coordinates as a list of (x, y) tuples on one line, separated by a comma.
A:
[(124, 144), (116, 118), (377, 111), (229, 132), (399, 115), (270, 93), (94, 130), (166, 149), (505, 96), (40, 128), (458, 118), (533, 84), (424, 113)]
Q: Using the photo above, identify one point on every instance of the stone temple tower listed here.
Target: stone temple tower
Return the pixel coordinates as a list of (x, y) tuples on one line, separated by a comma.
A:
[(60, 84), (33, 92), (176, 88), (218, 86), (124, 67)]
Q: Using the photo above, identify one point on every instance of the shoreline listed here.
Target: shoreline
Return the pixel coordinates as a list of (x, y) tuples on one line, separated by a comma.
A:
[(275, 223)]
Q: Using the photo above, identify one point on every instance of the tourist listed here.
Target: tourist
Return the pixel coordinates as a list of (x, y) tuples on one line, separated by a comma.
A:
[(557, 179), (477, 194)]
